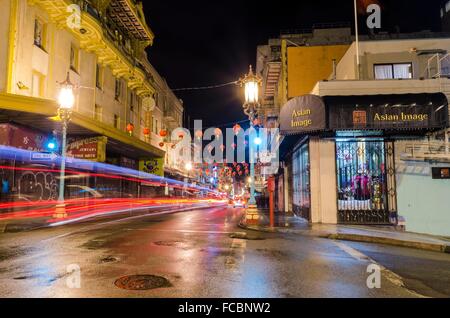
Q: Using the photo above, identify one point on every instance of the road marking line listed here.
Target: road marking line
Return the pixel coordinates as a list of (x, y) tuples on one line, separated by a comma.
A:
[(353, 253), (237, 252), (394, 278)]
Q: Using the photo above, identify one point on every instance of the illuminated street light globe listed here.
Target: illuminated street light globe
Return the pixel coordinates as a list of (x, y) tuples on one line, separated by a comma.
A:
[(251, 83), (66, 98)]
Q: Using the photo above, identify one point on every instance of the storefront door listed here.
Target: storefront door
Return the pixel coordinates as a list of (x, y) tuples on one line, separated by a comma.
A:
[(301, 182), (365, 182)]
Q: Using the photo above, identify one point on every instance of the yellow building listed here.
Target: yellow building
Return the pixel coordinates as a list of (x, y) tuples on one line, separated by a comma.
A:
[(310, 64), (101, 44), (292, 64)]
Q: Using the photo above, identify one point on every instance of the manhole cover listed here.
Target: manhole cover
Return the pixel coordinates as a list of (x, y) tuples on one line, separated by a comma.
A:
[(109, 259), (169, 243), (142, 282)]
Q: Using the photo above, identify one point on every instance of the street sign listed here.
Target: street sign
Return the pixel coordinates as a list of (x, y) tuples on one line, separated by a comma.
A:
[(42, 156)]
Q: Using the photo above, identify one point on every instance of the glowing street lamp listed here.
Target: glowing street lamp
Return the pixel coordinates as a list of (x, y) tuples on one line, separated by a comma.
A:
[(66, 101), (251, 83)]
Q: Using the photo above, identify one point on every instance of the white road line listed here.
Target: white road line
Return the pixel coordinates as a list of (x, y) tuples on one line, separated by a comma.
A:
[(395, 279), (237, 252)]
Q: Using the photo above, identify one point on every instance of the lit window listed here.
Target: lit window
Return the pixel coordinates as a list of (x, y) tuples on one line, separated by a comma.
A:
[(393, 71)]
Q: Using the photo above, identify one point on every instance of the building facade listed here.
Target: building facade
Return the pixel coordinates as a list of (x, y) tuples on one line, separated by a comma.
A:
[(121, 102), (368, 138)]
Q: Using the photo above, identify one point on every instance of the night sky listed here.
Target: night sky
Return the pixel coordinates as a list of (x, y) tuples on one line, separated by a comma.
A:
[(202, 43)]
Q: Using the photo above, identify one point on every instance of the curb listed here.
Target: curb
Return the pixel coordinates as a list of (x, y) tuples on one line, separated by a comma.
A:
[(441, 248)]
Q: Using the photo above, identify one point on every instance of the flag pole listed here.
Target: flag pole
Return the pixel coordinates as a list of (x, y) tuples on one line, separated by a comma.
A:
[(357, 41)]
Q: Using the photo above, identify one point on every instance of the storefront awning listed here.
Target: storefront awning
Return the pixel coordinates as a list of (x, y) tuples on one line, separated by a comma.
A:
[(302, 115)]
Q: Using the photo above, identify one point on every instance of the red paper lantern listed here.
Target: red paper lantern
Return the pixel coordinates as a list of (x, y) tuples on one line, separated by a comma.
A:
[(163, 133), (130, 128), (147, 132)]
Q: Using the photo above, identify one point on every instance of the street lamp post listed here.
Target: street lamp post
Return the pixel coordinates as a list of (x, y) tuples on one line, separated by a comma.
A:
[(66, 101), (251, 83)]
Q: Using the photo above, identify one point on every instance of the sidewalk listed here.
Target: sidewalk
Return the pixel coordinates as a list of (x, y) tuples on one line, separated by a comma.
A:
[(290, 224)]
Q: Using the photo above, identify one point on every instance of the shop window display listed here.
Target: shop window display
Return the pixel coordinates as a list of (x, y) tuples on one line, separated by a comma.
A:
[(361, 175)]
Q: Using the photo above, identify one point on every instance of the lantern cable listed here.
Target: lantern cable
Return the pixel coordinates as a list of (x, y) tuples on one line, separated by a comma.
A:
[(205, 87)]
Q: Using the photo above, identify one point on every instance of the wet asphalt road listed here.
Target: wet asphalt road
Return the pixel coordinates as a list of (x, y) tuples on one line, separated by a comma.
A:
[(196, 253)]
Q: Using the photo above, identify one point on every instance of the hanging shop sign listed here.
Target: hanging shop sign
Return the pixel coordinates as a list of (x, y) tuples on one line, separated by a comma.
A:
[(153, 166), (22, 138), (387, 112), (92, 149), (302, 115)]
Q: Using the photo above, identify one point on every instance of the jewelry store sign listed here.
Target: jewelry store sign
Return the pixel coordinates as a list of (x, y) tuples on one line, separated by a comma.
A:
[(303, 114), (92, 149)]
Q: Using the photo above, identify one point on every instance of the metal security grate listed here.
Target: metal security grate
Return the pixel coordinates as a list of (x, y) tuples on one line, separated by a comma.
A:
[(364, 182)]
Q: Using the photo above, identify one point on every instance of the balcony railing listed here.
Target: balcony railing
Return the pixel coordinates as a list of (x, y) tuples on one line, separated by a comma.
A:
[(113, 34), (439, 66)]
